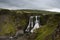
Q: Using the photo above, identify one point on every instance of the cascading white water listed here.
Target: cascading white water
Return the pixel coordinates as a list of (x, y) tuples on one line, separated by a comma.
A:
[(32, 21), (30, 24), (36, 24), (30, 27)]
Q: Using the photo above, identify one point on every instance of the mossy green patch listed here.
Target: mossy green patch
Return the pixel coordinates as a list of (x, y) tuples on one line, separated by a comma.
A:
[(8, 29), (47, 29)]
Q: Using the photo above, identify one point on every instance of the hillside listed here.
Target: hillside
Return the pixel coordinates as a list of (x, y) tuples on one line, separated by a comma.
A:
[(13, 20)]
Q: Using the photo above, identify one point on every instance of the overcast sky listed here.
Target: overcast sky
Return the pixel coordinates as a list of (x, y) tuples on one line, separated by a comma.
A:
[(30, 4)]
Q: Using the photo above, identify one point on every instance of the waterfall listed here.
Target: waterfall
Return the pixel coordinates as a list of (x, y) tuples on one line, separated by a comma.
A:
[(30, 25), (36, 26), (31, 21)]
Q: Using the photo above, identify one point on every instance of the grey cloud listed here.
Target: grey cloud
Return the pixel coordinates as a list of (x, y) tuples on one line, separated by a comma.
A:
[(30, 4)]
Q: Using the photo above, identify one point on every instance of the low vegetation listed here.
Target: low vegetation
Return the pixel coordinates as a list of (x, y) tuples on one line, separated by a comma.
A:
[(10, 20)]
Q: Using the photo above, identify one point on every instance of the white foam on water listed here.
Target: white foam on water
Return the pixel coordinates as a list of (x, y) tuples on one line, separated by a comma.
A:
[(11, 37), (30, 22), (36, 24), (28, 27), (35, 27)]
